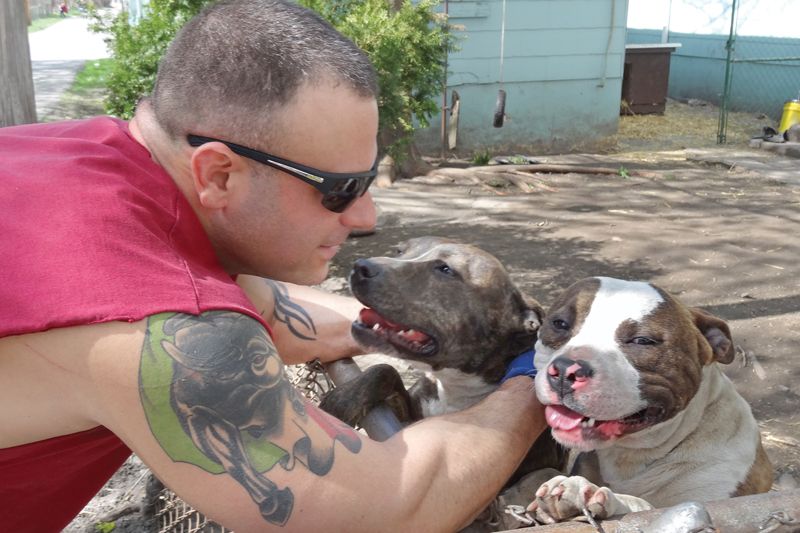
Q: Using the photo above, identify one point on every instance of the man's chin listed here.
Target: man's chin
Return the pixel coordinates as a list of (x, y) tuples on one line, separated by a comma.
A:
[(295, 274), (316, 280), (308, 277)]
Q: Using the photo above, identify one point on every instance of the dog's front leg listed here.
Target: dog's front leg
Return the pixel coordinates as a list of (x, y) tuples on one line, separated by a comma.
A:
[(221, 442), (378, 384), (563, 498)]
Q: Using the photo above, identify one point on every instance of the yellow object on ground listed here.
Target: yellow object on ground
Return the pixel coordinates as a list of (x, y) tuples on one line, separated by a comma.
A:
[(791, 115)]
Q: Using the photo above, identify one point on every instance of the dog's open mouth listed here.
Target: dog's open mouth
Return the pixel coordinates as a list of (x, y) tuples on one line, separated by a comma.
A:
[(398, 335), (567, 421)]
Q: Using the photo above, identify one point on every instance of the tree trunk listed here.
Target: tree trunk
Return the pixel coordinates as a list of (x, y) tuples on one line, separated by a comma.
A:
[(411, 163), (17, 103)]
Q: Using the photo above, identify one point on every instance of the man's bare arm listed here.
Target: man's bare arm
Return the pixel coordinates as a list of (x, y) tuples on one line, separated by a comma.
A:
[(230, 401), (308, 323), (204, 402)]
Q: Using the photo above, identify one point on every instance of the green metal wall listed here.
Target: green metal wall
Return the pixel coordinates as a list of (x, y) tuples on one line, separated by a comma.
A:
[(562, 73)]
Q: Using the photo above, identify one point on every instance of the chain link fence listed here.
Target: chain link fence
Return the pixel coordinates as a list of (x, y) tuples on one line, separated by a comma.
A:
[(739, 59), (762, 73)]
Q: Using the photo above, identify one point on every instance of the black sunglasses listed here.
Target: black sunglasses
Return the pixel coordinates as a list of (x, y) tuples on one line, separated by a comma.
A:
[(338, 190)]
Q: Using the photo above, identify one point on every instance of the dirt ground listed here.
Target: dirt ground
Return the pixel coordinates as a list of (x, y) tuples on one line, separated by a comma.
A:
[(718, 227), (726, 239)]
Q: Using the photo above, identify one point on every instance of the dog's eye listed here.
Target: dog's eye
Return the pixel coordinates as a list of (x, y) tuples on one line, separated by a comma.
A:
[(560, 324), (444, 268), (644, 341)]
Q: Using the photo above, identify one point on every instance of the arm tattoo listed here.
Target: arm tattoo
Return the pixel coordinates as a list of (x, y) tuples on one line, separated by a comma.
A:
[(215, 395), (291, 313)]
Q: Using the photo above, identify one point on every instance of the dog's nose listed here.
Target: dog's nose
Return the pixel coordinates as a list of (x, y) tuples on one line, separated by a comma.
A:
[(365, 268), (566, 375)]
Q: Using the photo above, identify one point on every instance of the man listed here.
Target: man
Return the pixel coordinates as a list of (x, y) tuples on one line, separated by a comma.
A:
[(122, 328)]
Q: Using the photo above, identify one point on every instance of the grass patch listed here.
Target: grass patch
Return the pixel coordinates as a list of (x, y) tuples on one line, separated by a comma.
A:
[(686, 126), (85, 97), (43, 22), (481, 157), (92, 77)]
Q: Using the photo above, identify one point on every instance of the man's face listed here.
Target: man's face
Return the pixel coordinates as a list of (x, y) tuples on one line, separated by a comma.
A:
[(280, 229)]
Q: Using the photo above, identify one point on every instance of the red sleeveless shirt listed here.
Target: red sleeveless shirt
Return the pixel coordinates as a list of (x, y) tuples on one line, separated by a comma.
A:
[(91, 230)]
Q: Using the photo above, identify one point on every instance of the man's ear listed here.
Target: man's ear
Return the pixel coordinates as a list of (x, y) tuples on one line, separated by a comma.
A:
[(213, 165)]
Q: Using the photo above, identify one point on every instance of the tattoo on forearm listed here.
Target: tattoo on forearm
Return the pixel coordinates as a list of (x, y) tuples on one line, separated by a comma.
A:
[(215, 395), (291, 313)]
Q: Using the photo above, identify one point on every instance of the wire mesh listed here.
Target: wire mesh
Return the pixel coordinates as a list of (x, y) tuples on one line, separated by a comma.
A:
[(173, 515), (762, 72)]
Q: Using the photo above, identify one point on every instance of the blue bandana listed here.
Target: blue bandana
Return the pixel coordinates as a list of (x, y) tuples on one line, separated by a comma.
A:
[(522, 365)]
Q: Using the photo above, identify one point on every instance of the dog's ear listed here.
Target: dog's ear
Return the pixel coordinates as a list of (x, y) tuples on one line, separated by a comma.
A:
[(527, 320), (716, 332), (532, 314)]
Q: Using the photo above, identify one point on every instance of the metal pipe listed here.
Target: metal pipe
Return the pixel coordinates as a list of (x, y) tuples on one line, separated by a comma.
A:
[(722, 127), (743, 514), (443, 133), (380, 423)]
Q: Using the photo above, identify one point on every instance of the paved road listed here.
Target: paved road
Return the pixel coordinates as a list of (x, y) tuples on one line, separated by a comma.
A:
[(57, 54)]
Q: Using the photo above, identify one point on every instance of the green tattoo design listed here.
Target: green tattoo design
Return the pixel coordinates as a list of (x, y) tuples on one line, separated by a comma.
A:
[(214, 392), (291, 313)]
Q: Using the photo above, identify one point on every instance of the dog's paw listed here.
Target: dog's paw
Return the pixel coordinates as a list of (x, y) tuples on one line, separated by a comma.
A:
[(563, 498)]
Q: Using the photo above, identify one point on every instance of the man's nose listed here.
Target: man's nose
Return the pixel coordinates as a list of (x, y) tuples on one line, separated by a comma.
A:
[(361, 215)]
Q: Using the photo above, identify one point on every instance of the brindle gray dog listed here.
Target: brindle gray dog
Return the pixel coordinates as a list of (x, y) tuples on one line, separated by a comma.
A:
[(450, 309)]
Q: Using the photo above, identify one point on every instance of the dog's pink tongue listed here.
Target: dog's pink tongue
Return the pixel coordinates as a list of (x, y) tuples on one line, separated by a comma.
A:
[(370, 318), (559, 417)]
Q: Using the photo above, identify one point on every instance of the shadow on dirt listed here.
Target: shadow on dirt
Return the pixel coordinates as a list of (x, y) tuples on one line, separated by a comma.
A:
[(525, 267), (718, 236)]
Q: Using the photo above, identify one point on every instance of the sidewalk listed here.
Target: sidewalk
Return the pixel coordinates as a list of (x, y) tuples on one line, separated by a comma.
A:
[(57, 54)]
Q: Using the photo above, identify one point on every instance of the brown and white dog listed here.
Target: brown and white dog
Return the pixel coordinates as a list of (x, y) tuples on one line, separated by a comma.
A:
[(629, 376)]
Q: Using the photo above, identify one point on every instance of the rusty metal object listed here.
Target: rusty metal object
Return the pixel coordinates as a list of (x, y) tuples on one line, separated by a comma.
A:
[(380, 423), (777, 511)]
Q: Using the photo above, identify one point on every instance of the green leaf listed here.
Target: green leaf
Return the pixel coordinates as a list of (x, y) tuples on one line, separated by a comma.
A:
[(104, 527)]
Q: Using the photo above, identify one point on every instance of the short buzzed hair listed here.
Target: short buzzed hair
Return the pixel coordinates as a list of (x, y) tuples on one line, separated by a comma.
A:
[(232, 67)]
